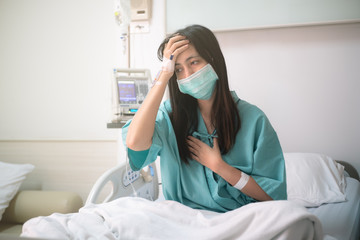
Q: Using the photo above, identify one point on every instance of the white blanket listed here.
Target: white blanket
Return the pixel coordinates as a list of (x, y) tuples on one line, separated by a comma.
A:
[(138, 218)]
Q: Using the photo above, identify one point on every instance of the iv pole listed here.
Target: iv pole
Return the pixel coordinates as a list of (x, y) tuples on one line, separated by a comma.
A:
[(123, 19), (128, 49)]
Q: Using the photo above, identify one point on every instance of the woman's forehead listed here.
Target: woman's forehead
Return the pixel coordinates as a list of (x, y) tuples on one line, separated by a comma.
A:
[(187, 55)]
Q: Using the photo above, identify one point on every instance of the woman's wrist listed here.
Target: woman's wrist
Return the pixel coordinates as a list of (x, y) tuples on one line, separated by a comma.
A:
[(167, 75), (228, 172), (162, 77)]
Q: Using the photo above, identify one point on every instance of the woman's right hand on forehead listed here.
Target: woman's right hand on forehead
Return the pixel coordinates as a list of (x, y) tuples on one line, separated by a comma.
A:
[(173, 48)]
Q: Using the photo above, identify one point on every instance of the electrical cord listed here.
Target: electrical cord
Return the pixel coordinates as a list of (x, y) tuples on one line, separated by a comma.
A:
[(145, 174), (126, 168)]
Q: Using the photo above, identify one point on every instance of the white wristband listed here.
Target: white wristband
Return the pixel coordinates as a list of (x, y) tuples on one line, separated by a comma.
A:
[(242, 181)]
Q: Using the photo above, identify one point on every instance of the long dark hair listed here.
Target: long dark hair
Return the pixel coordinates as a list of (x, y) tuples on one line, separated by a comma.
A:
[(225, 115)]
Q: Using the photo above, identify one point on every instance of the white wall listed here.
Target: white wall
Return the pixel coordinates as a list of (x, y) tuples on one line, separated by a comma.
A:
[(306, 79), (56, 59)]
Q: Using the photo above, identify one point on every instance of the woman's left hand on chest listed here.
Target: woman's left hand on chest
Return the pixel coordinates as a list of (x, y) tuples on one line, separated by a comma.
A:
[(204, 154)]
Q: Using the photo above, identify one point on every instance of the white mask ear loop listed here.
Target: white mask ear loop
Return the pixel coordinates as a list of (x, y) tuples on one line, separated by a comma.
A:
[(127, 170)]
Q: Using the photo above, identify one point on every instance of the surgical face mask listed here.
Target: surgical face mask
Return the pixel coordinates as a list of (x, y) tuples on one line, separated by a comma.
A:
[(200, 84)]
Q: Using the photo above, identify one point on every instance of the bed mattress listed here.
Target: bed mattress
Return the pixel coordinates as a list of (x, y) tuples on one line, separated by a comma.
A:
[(341, 220)]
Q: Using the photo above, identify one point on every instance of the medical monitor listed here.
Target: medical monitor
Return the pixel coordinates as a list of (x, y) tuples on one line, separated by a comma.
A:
[(127, 92), (132, 86)]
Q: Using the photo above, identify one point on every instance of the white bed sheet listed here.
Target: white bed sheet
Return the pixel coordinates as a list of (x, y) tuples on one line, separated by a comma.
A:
[(138, 218), (333, 218), (341, 220)]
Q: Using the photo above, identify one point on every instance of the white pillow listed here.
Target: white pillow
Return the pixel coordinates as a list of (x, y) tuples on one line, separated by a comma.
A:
[(314, 179), (11, 177)]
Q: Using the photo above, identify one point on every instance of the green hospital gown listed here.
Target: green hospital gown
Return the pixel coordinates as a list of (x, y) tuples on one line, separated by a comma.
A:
[(257, 152)]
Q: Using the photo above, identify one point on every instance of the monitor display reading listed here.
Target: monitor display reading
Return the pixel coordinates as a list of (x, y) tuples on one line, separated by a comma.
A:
[(127, 92)]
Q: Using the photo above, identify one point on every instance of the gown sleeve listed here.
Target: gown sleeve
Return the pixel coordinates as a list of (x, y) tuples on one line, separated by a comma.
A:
[(140, 159), (268, 162)]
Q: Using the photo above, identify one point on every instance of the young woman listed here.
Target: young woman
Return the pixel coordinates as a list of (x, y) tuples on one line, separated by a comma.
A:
[(217, 152)]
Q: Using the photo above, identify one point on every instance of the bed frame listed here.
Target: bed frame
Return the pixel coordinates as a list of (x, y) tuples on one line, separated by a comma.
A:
[(126, 182), (350, 169)]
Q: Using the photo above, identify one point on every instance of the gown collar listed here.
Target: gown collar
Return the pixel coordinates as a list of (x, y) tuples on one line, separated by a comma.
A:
[(202, 134)]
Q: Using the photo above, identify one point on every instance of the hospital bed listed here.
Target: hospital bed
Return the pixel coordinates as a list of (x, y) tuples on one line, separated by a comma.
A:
[(338, 220)]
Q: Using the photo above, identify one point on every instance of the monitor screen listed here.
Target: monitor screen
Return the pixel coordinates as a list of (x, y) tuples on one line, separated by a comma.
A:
[(127, 93)]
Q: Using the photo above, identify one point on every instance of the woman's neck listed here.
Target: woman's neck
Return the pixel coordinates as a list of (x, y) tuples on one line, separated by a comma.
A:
[(205, 107)]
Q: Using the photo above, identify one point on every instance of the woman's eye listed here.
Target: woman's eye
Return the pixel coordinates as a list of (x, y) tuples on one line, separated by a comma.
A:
[(194, 62), (178, 70)]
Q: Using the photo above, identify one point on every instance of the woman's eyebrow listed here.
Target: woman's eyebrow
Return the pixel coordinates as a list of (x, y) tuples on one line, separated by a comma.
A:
[(188, 59)]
